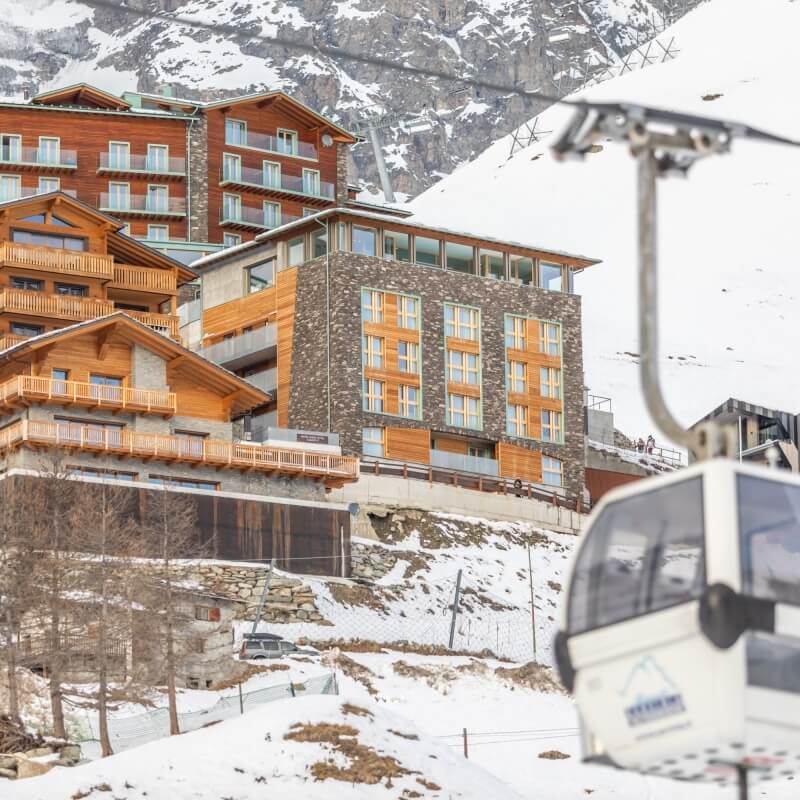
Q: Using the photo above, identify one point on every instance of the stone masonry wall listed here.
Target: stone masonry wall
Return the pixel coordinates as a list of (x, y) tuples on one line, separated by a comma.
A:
[(197, 141), (350, 272), (341, 174)]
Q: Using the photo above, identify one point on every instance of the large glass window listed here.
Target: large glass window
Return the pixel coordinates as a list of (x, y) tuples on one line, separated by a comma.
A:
[(460, 257), (72, 289), (49, 150), (10, 187), (49, 240), (157, 198), (462, 322), (408, 357), (515, 332), (427, 251), (372, 442), (271, 173), (407, 312), (319, 242), (396, 246), (552, 471), (158, 233), (516, 377), (550, 382), (23, 329), (260, 276), (11, 147), (119, 155), (372, 351), (463, 412), (26, 284), (516, 419), (272, 214), (231, 207), (463, 367), (364, 240), (374, 395), (158, 158), (492, 264), (520, 269), (296, 250), (552, 426), (644, 554), (550, 276), (371, 306), (119, 196), (231, 167), (311, 184), (287, 142), (408, 401), (550, 338), (235, 132)]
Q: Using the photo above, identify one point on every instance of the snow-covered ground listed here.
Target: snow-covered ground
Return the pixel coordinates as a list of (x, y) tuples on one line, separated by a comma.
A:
[(728, 235)]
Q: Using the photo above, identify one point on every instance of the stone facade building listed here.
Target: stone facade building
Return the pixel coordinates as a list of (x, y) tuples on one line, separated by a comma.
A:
[(415, 345)]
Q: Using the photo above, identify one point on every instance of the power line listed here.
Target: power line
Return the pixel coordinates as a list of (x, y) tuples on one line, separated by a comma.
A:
[(328, 50)]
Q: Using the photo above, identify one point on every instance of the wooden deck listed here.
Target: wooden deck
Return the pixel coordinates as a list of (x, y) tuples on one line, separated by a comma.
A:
[(52, 259), (332, 469), (25, 390)]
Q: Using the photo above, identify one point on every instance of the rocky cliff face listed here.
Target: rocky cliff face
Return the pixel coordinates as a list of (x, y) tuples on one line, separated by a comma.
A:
[(547, 44)]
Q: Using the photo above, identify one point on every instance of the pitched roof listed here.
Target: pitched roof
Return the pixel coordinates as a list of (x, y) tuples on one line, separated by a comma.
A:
[(213, 376), (81, 94)]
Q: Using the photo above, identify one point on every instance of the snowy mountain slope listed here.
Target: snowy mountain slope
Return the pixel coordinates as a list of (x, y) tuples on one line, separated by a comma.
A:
[(728, 235), (56, 42)]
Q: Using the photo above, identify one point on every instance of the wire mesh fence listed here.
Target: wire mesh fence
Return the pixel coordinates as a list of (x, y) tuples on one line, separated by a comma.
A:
[(133, 731)]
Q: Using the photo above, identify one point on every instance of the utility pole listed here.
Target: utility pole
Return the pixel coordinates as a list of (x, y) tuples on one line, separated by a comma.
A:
[(533, 608), (455, 610)]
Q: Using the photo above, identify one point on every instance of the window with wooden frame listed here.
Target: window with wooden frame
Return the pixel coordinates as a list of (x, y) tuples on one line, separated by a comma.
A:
[(463, 412), (372, 305), (374, 395), (407, 312), (408, 401), (373, 442), (520, 270), (552, 426), (515, 332), (408, 357), (551, 277), (463, 367), (516, 377), (47, 185), (207, 613), (550, 382), (492, 264), (552, 471), (372, 351), (462, 322), (516, 419), (550, 338)]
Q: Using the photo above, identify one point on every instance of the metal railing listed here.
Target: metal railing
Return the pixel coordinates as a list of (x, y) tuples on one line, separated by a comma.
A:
[(245, 344), (53, 305), (39, 157), (31, 387), (297, 184), (656, 456), (111, 162), (54, 259), (464, 463), (254, 217), (144, 279), (271, 144), (30, 191), (142, 204), (214, 452)]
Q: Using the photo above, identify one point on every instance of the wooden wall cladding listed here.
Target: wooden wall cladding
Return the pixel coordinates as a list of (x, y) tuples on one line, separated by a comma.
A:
[(286, 300), (519, 462), (264, 119), (452, 445), (231, 317), (88, 134), (408, 444), (193, 400)]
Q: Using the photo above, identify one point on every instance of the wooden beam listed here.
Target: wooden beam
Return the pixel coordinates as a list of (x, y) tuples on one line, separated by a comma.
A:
[(104, 340)]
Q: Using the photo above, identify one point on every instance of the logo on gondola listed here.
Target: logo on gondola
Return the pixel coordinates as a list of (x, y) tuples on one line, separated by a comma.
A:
[(650, 694)]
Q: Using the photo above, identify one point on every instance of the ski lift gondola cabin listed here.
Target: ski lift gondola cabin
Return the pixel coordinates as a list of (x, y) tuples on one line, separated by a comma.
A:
[(681, 631)]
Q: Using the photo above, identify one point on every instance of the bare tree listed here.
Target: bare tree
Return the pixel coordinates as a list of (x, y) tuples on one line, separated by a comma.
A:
[(171, 537)]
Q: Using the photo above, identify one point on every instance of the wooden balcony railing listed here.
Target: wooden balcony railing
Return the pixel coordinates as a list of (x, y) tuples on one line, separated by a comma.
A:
[(25, 389), (163, 323), (332, 469), (52, 259), (53, 305), (142, 279), (10, 340)]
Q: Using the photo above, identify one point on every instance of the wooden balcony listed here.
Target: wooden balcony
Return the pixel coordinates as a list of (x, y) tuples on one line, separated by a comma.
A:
[(166, 324), (142, 279), (332, 469), (52, 259), (54, 306), (25, 390), (11, 340)]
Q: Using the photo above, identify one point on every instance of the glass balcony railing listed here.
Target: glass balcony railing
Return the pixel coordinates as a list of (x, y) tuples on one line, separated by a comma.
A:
[(114, 162), (236, 352), (142, 204), (53, 157), (253, 217), (463, 463), (18, 192), (270, 144), (267, 380), (310, 186)]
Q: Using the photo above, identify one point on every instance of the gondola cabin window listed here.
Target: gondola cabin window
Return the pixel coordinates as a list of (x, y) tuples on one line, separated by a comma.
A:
[(644, 554)]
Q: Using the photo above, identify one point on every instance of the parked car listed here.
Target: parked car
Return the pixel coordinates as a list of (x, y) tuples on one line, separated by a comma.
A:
[(272, 647)]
